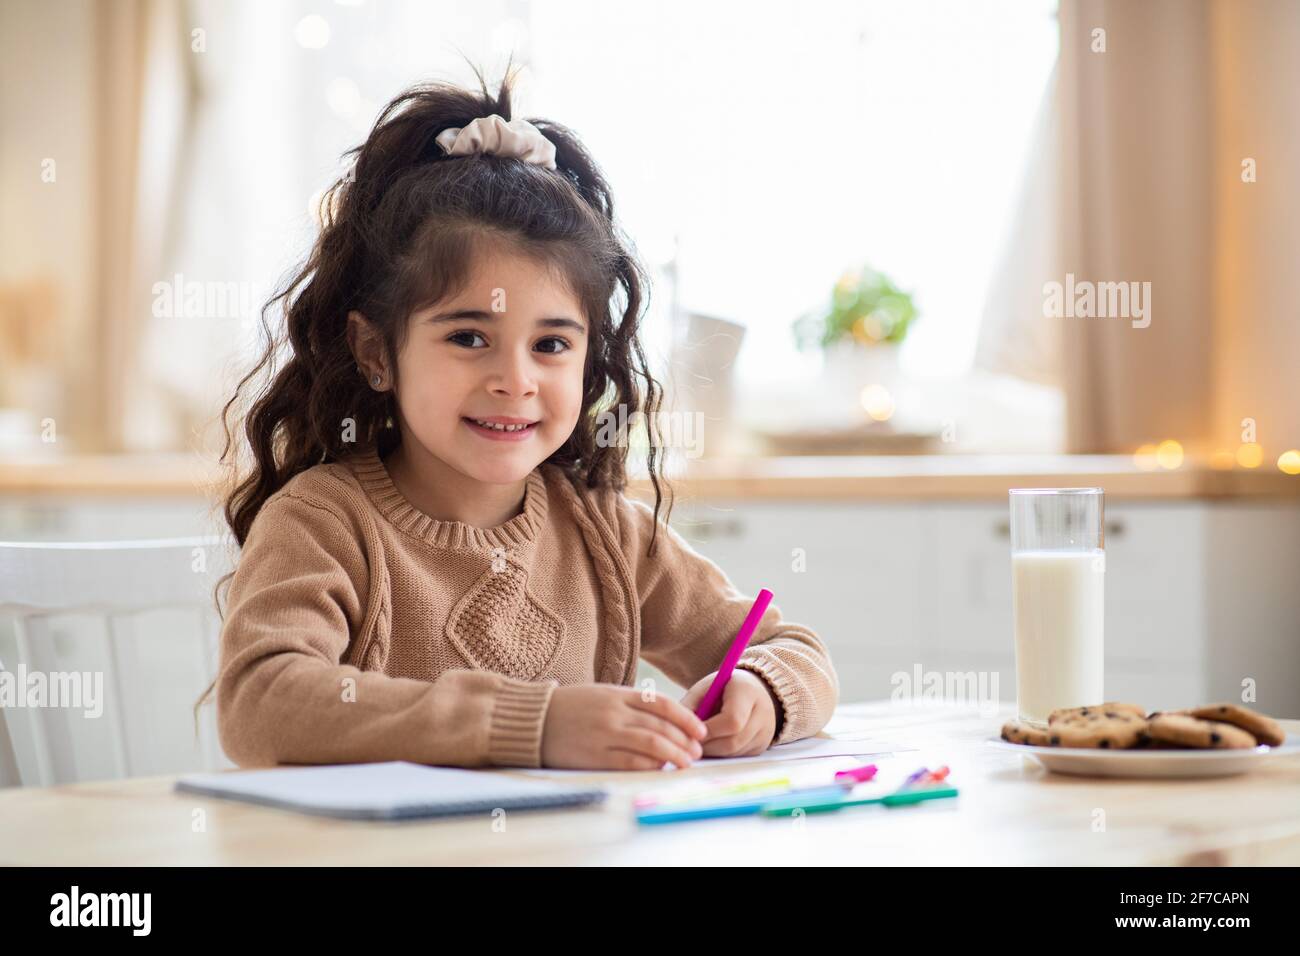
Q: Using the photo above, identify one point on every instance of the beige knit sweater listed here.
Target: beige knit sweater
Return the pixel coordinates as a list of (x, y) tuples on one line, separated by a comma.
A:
[(360, 629)]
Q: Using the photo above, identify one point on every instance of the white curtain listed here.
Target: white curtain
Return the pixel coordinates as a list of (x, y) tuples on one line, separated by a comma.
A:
[(1013, 338)]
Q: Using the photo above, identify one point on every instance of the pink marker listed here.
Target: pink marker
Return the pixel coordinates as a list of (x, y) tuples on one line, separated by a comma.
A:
[(712, 699), (856, 774)]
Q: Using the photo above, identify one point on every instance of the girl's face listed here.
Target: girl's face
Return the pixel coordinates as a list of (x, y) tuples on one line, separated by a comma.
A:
[(510, 347)]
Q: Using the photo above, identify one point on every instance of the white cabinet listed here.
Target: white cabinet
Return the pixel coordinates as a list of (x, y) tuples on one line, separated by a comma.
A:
[(1156, 568), (1200, 595), (1252, 604), (835, 570), (970, 578), (52, 518)]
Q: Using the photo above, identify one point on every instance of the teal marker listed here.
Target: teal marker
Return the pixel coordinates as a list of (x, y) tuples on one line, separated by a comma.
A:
[(745, 806), (786, 806)]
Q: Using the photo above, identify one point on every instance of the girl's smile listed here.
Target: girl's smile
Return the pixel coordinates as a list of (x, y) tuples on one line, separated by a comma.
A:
[(499, 428)]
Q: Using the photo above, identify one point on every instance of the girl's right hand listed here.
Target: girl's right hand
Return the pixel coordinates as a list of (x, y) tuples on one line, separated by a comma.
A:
[(608, 727)]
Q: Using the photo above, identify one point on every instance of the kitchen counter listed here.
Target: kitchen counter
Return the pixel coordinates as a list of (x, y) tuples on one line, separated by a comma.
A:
[(970, 477), (791, 478)]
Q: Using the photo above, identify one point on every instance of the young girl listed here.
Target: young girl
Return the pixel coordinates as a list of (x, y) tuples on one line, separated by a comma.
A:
[(438, 563)]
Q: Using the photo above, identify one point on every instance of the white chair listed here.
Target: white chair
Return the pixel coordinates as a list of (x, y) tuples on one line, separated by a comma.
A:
[(96, 602)]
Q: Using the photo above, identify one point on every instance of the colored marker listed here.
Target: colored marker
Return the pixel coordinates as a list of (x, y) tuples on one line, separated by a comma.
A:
[(915, 777), (674, 813), (857, 774), (712, 699), (788, 807)]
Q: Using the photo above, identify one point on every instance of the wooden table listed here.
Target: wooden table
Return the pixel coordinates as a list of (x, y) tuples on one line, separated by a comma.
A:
[(1010, 811)]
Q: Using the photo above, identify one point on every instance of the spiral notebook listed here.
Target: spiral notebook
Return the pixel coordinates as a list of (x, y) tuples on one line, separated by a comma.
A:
[(396, 790)]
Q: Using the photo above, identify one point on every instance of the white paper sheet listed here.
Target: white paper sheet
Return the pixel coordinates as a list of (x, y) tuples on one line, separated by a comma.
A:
[(804, 749)]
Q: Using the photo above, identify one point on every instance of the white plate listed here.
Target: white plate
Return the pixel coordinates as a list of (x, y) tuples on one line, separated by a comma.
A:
[(1090, 762)]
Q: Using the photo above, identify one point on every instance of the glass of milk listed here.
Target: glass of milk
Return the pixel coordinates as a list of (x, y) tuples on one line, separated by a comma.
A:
[(1058, 573)]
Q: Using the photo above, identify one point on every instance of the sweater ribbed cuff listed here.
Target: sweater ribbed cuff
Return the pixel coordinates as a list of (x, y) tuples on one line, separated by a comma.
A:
[(518, 717), (787, 689)]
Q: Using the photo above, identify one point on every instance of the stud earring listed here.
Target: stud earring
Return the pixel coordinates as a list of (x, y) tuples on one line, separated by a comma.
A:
[(377, 381)]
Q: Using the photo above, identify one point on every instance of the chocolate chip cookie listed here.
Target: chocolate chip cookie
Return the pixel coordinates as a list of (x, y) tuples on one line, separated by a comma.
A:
[(1107, 729), (1017, 732), (1263, 728), (1188, 731), (1109, 709)]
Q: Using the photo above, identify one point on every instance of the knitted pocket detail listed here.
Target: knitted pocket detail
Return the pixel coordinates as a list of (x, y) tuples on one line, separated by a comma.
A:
[(500, 627)]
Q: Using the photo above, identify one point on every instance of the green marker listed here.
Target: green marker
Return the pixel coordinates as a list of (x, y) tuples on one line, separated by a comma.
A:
[(787, 806)]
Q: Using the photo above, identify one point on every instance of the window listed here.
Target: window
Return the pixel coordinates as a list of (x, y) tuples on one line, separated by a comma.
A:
[(767, 146)]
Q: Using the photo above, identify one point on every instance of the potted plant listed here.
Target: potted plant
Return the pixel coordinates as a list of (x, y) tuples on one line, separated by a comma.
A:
[(859, 330)]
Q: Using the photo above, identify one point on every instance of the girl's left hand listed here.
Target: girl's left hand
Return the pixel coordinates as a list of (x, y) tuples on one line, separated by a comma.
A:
[(745, 724)]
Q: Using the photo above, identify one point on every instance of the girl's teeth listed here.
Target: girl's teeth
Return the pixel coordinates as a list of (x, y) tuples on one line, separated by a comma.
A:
[(500, 428)]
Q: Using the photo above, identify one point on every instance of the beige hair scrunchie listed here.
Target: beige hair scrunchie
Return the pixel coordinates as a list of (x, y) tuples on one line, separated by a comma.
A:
[(492, 134)]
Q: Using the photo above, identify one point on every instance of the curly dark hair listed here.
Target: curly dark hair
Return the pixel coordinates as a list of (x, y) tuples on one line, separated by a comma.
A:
[(399, 231)]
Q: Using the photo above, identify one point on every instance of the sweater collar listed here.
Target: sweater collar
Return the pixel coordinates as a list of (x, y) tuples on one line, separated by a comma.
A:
[(522, 528)]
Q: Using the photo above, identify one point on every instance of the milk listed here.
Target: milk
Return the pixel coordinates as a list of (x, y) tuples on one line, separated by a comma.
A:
[(1058, 598)]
